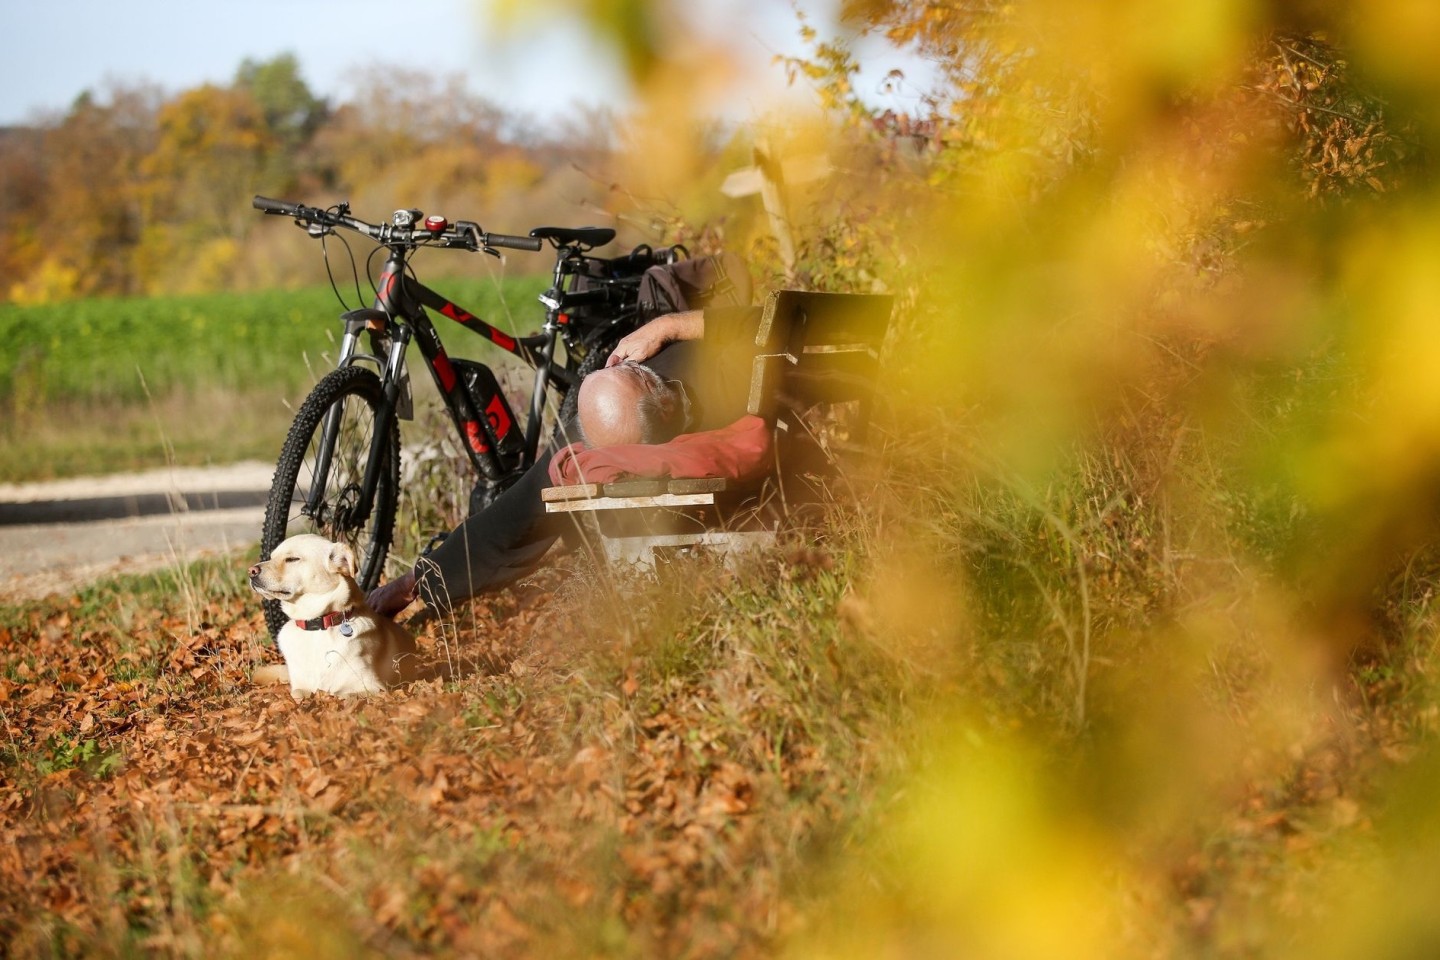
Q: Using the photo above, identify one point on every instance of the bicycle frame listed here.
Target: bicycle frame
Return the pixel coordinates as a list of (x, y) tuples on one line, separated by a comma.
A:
[(592, 301), (398, 315)]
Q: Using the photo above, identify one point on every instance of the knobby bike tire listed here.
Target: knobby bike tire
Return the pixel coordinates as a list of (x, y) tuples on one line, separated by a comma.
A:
[(360, 396)]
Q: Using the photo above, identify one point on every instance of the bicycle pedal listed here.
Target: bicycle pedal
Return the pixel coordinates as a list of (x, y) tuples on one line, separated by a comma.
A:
[(434, 542)]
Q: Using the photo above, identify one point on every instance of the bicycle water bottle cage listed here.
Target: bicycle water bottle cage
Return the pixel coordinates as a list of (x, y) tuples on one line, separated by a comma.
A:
[(586, 237)]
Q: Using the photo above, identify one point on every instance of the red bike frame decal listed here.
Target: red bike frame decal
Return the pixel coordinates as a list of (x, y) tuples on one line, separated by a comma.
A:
[(387, 290), (499, 418), (456, 314), (446, 372), (475, 436), (465, 318)]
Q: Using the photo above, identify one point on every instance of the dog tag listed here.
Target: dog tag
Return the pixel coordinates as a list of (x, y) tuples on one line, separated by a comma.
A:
[(346, 630)]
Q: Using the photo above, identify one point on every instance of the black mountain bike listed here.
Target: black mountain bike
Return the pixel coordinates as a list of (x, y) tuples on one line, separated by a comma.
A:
[(339, 471)]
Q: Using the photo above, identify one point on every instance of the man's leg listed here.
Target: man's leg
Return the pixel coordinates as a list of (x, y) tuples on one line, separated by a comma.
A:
[(499, 544)]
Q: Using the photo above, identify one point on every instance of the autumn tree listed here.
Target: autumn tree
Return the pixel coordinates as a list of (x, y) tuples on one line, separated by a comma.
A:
[(22, 170), (293, 115), (292, 112), (212, 146), (413, 139), (402, 118), (86, 212)]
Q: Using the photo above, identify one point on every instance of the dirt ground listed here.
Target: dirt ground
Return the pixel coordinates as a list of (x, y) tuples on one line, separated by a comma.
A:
[(57, 536)]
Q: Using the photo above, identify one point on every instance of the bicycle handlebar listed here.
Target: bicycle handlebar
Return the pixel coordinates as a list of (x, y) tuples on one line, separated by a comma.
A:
[(516, 243), (266, 205), (462, 233)]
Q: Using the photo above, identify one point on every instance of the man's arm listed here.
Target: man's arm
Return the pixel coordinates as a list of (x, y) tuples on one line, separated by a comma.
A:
[(642, 344)]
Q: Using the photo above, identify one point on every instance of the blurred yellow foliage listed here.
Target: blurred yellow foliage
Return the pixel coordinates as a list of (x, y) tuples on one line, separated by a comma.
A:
[(1392, 282), (979, 862), (53, 280), (1398, 40), (1163, 464)]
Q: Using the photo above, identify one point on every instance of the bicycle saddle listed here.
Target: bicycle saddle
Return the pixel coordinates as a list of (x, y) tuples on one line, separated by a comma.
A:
[(585, 236)]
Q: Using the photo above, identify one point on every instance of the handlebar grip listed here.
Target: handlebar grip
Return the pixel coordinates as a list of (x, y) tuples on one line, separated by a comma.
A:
[(275, 206), (514, 243)]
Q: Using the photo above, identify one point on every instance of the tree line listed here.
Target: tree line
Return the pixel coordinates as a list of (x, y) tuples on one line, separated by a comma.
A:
[(135, 192), (138, 193)]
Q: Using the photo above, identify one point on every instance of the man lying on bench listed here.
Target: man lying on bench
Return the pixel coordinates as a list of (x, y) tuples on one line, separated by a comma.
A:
[(680, 373)]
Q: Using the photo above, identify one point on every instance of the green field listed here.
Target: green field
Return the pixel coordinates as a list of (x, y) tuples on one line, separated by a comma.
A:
[(91, 386)]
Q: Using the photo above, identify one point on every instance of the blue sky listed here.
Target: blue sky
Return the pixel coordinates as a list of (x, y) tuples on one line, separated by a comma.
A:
[(55, 49)]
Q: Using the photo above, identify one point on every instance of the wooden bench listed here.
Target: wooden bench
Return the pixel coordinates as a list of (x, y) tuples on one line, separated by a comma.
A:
[(814, 352)]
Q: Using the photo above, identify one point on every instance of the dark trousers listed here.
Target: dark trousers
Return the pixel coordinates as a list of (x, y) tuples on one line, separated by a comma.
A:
[(496, 546)]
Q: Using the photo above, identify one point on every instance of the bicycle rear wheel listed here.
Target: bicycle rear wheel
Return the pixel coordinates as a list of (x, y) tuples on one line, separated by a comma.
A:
[(353, 396)]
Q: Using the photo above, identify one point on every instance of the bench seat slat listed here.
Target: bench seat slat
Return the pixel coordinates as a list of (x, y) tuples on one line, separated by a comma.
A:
[(630, 503), (643, 489), (575, 491)]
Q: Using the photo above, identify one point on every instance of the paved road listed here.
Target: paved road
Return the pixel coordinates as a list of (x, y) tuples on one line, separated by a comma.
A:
[(57, 536)]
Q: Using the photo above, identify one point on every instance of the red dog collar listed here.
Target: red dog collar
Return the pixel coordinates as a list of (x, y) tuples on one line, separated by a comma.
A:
[(336, 618)]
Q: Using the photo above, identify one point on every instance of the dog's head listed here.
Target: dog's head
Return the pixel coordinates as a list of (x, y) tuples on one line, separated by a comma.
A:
[(305, 567)]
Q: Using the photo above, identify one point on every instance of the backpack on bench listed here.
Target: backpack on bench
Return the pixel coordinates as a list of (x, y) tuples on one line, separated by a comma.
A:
[(720, 280)]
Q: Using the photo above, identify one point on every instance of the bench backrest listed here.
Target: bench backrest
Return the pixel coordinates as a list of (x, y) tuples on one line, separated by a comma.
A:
[(817, 348)]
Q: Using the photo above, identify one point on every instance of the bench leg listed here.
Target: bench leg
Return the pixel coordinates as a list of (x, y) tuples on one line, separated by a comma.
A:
[(639, 553), (633, 553)]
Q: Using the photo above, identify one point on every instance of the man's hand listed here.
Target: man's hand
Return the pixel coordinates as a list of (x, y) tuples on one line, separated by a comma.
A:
[(390, 598), (642, 344)]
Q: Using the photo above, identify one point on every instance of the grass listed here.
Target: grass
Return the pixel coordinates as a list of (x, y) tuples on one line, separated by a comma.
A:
[(964, 699), (82, 438), (88, 386), (1133, 691), (63, 753)]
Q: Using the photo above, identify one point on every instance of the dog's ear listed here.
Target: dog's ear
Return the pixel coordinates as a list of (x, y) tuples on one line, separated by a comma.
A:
[(342, 559)]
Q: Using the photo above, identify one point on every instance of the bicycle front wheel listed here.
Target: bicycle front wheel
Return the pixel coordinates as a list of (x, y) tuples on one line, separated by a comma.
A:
[(345, 408)]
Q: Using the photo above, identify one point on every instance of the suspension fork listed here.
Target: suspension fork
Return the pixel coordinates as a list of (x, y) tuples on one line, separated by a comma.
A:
[(391, 377), (355, 321), (380, 439), (391, 301)]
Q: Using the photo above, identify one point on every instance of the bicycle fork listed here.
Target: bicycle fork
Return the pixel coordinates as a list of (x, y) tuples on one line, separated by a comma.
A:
[(391, 376)]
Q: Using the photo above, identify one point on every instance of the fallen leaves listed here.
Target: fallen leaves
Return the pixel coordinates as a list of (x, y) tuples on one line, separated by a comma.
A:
[(148, 781)]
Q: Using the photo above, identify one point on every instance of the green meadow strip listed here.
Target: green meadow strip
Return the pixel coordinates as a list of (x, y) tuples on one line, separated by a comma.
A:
[(118, 350)]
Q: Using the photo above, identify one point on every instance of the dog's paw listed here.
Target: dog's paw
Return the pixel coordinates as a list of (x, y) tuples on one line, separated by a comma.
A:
[(267, 674)]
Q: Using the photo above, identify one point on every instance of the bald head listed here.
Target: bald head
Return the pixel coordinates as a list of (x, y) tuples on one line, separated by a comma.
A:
[(628, 403)]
